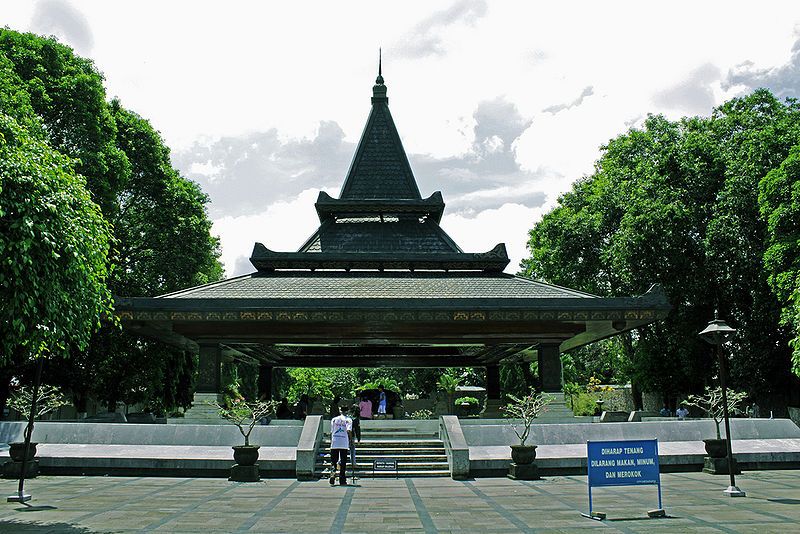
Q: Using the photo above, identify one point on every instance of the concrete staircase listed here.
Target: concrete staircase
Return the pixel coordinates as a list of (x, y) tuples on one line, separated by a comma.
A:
[(418, 452)]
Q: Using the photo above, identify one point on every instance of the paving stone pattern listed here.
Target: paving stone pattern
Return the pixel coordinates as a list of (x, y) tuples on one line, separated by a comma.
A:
[(693, 501)]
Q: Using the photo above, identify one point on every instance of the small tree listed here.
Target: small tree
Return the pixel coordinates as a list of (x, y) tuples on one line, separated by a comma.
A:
[(526, 409), (711, 403), (449, 383), (48, 399), (245, 415)]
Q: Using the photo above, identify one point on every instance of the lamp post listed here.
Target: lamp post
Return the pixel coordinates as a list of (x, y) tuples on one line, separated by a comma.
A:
[(716, 333)]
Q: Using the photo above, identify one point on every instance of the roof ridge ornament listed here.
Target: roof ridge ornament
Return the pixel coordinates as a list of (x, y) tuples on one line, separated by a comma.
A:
[(379, 89), (379, 79)]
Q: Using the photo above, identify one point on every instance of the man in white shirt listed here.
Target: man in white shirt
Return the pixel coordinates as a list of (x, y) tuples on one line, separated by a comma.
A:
[(341, 434)]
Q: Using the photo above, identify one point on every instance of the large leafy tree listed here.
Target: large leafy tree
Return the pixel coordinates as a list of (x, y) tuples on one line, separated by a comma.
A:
[(66, 92), (676, 203), (162, 238), (54, 244), (779, 200)]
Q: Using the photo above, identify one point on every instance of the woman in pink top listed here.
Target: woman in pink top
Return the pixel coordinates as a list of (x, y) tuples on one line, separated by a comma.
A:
[(365, 408)]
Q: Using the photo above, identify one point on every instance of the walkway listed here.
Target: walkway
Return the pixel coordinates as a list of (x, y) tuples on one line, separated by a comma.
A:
[(694, 502)]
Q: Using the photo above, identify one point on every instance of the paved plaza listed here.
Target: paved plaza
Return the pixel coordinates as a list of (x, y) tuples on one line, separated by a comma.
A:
[(694, 503)]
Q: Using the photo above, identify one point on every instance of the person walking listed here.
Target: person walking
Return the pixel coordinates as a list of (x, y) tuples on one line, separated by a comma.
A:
[(356, 435), (341, 436)]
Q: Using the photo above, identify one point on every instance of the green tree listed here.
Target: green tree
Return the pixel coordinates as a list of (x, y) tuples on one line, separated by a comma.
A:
[(676, 203), (67, 94), (779, 202), (164, 243), (162, 238), (53, 244)]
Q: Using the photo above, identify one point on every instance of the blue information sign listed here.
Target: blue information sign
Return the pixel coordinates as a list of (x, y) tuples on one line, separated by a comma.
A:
[(622, 463)]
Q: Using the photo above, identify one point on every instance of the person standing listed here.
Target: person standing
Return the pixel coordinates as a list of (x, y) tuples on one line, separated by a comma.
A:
[(341, 436), (365, 407), (382, 401)]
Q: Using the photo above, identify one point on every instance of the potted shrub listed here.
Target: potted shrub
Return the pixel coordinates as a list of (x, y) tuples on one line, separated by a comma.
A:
[(49, 398), (245, 415), (711, 403), (525, 409), (468, 406)]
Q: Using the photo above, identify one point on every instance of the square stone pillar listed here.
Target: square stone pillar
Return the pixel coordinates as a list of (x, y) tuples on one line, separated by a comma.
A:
[(493, 394), (207, 390), (550, 372), (265, 382), (208, 369)]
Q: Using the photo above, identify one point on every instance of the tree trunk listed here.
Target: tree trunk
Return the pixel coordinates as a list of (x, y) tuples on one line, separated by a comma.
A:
[(5, 392)]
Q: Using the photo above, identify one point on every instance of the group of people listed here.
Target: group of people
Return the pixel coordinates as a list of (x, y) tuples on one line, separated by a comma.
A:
[(345, 431), (365, 405)]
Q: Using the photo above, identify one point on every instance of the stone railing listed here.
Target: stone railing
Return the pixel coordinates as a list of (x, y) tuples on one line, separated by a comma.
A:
[(455, 446), (308, 447)]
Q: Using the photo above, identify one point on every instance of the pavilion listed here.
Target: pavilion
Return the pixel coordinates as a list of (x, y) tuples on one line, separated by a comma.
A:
[(380, 283)]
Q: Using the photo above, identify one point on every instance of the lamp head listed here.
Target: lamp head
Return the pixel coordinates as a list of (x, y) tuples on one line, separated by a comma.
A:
[(717, 331)]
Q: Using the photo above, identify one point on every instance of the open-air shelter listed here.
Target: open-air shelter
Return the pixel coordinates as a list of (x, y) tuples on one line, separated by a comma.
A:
[(380, 283)]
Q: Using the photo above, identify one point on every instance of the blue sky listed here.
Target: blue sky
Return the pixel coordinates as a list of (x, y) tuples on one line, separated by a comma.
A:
[(500, 105)]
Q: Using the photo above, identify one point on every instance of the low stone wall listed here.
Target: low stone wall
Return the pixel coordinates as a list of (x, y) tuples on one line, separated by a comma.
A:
[(758, 443), (125, 449), (497, 432), (286, 434)]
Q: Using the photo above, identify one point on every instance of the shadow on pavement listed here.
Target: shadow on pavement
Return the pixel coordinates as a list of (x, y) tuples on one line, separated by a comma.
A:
[(60, 528)]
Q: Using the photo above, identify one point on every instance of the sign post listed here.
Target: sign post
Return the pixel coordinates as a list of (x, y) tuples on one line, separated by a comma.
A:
[(623, 463), (384, 464)]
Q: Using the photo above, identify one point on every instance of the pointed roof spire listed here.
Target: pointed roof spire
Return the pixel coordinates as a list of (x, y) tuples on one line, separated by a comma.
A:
[(379, 89)]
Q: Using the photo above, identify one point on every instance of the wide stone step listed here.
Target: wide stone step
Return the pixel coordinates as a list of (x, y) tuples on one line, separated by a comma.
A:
[(401, 465), (392, 474), (365, 457), (392, 450), (394, 443)]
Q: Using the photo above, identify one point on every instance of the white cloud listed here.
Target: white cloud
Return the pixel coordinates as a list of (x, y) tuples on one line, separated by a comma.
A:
[(291, 91), (283, 226), (509, 223)]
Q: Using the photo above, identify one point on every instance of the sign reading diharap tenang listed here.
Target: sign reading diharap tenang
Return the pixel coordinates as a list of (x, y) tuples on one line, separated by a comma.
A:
[(623, 463)]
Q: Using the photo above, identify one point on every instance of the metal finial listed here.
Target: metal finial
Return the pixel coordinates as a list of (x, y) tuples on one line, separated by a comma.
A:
[(379, 79)]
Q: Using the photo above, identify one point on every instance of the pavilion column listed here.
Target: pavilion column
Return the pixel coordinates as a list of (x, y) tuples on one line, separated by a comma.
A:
[(494, 396), (551, 378), (208, 369), (550, 373), (207, 389), (265, 382)]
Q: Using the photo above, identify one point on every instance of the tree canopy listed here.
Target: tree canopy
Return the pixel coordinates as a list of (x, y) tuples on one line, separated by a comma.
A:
[(677, 203), (161, 231), (54, 244)]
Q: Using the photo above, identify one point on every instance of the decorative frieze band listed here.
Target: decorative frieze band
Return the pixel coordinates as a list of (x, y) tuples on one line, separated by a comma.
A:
[(387, 315)]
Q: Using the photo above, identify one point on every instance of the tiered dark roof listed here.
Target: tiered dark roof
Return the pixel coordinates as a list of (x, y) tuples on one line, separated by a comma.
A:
[(380, 221), (381, 283)]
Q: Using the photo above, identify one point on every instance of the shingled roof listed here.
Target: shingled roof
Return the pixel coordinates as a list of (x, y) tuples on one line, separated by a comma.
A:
[(380, 168), (380, 221), (380, 283)]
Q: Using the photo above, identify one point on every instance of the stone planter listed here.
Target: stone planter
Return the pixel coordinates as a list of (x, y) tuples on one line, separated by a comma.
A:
[(523, 454), (17, 451), (245, 454), (468, 410), (716, 448)]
